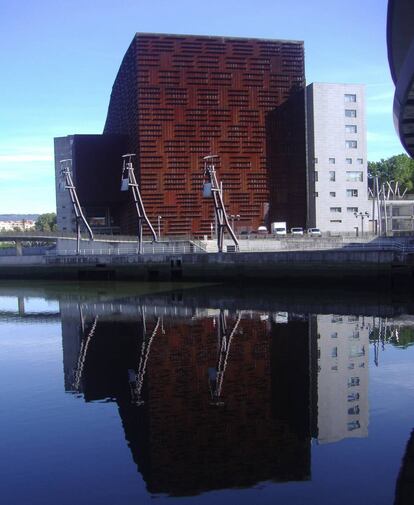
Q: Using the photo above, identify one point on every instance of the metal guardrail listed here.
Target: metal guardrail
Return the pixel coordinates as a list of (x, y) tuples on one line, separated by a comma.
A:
[(155, 248)]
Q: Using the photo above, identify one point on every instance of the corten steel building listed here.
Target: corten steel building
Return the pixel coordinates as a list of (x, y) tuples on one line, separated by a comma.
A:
[(179, 98)]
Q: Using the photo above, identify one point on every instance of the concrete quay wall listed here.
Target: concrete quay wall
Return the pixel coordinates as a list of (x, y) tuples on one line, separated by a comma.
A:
[(384, 267)]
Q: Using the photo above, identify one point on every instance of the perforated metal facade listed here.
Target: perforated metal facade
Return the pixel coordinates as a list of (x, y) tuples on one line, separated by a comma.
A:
[(180, 98)]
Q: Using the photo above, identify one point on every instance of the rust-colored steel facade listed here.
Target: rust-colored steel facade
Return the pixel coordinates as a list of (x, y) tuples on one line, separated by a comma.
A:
[(180, 98)]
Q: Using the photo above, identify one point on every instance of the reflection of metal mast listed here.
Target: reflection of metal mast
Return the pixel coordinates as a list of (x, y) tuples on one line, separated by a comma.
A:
[(216, 375), (66, 172), (136, 379), (82, 353), (128, 175), (217, 191)]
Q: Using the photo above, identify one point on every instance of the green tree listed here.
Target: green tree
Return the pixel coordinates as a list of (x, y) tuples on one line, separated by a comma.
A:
[(397, 168), (46, 222)]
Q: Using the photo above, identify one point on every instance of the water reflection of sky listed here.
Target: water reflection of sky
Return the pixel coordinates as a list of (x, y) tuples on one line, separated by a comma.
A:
[(283, 413)]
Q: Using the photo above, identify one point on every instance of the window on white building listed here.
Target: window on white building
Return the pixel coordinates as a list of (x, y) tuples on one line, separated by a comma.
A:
[(316, 176), (332, 176), (336, 209), (350, 97), (351, 128), (360, 161), (332, 161), (353, 425), (332, 193), (353, 381), (352, 209), (354, 176), (315, 160), (352, 192), (350, 113), (348, 161), (351, 144), (335, 220)]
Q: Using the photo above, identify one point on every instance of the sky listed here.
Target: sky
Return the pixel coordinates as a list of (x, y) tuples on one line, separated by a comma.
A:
[(59, 59)]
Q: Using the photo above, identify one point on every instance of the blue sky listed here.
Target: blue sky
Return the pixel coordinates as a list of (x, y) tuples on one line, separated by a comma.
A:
[(59, 59)]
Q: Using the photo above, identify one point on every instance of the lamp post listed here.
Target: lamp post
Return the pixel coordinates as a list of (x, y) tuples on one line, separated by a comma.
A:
[(362, 215), (159, 226), (234, 217)]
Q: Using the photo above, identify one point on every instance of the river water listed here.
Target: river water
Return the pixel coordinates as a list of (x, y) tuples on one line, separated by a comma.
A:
[(195, 394)]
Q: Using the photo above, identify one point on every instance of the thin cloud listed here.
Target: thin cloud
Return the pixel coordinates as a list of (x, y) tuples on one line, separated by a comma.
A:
[(386, 96)]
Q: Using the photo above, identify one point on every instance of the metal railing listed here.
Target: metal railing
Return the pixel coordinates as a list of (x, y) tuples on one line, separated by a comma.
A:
[(148, 248)]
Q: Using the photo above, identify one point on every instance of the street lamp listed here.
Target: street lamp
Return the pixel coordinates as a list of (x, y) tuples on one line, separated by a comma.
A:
[(159, 227), (362, 215), (234, 217)]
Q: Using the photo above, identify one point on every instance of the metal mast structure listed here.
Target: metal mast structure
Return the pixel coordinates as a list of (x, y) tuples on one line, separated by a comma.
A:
[(136, 378), (217, 193), (66, 172), (216, 375), (83, 351), (129, 180)]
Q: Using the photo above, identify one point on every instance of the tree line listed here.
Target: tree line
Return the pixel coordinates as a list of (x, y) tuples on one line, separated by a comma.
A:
[(397, 168)]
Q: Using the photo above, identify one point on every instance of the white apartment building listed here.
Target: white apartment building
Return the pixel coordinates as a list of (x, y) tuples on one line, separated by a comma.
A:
[(337, 158)]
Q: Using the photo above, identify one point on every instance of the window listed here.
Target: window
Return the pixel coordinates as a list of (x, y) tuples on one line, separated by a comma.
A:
[(350, 128), (316, 176), (360, 161), (349, 98), (354, 176), (334, 352), (333, 194), (332, 176), (351, 144), (335, 221), (316, 194), (353, 425), (353, 411), (348, 161), (350, 113), (353, 381), (357, 351), (332, 161), (353, 397), (352, 192), (334, 334), (315, 160), (352, 209), (336, 209)]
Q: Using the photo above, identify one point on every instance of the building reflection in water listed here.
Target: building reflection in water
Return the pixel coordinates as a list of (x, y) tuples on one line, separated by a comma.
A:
[(343, 344), (220, 398)]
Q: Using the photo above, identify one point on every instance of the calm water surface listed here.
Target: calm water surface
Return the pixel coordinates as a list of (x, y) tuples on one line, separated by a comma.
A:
[(195, 394)]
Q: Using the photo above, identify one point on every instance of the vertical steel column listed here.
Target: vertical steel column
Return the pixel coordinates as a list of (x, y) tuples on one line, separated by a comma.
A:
[(219, 208), (66, 172), (128, 169)]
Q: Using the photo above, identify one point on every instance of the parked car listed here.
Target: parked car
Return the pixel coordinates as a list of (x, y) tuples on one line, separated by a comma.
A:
[(296, 231), (262, 230), (314, 232)]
